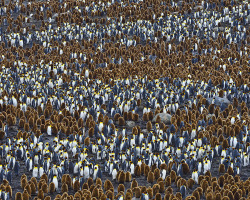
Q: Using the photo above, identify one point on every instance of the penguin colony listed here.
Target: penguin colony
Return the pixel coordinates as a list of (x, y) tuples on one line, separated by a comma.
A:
[(124, 99)]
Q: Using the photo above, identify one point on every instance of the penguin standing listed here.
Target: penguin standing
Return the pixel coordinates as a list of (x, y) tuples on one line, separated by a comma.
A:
[(55, 181), (35, 171)]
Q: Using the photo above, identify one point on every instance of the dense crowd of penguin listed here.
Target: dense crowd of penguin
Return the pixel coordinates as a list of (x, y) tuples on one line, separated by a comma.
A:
[(124, 99)]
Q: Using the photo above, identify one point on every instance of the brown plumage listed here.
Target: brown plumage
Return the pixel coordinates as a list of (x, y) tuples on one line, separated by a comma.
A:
[(26, 195), (33, 188), (190, 183), (76, 185), (156, 173), (130, 115), (24, 182), (95, 193), (91, 132), (52, 188), (137, 192), (47, 198), (168, 181), (145, 117), (134, 183), (121, 121), (64, 188), (21, 123), (150, 115), (173, 175), (98, 181), (44, 177), (128, 176), (135, 117), (150, 192), (9, 190), (108, 185), (138, 170), (149, 126), (121, 188), (156, 189), (28, 188), (121, 177), (150, 177), (222, 168), (117, 116), (40, 194), (196, 194), (45, 188), (87, 141)]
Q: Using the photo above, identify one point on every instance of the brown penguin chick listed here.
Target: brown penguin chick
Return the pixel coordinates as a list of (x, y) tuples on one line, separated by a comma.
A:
[(130, 115), (128, 196), (150, 192), (238, 194), (117, 116), (26, 127), (121, 121), (45, 188), (230, 170), (40, 194), (168, 181), (150, 115), (64, 188), (85, 186), (121, 177), (98, 181), (26, 195), (2, 135), (137, 170), (52, 188), (149, 126), (47, 198), (103, 197), (196, 194), (23, 182), (76, 185), (21, 123), (44, 177), (134, 131), (156, 189), (110, 195), (128, 176), (91, 132), (158, 119), (95, 193), (108, 185), (28, 188), (173, 175), (145, 117), (121, 188), (135, 117), (162, 186), (87, 141), (217, 196), (190, 183), (185, 168), (137, 192), (9, 190), (204, 185), (134, 183), (222, 168), (150, 177), (34, 180), (125, 116), (156, 173), (33, 188), (225, 144), (40, 184)]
